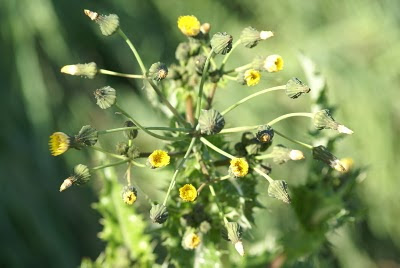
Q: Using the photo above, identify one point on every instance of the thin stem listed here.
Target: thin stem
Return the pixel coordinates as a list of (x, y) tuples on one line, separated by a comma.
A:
[(173, 180), (189, 109), (203, 79), (128, 174), (259, 171), (264, 156), (252, 96), (108, 153), (211, 96), (110, 165), (134, 76), (144, 129), (270, 123), (221, 213), (228, 55), (100, 132), (293, 140), (206, 50), (135, 53), (137, 164), (210, 182), (215, 148)]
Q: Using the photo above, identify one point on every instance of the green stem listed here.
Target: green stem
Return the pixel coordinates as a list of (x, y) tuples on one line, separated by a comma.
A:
[(270, 123), (228, 55), (173, 180), (100, 132), (293, 140), (259, 171), (211, 181), (108, 153), (239, 69), (137, 164), (134, 76), (206, 50), (110, 165), (135, 53), (264, 156), (215, 148), (203, 79), (252, 96), (144, 129)]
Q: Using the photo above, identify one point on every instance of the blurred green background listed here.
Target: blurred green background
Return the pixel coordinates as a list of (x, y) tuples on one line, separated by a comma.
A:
[(355, 43)]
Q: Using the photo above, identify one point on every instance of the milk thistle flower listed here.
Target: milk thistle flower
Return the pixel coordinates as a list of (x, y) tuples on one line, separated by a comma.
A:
[(239, 167), (158, 158), (252, 77), (189, 25), (129, 195), (273, 63), (59, 143), (190, 240), (188, 193), (88, 70)]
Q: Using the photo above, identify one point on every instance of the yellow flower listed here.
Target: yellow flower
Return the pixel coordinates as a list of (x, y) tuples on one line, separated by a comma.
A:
[(189, 25), (188, 193), (252, 77), (273, 63), (239, 167), (129, 197), (191, 241), (59, 143), (159, 158), (347, 163)]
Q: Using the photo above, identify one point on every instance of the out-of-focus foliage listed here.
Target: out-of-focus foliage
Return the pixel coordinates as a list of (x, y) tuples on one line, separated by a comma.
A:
[(355, 43)]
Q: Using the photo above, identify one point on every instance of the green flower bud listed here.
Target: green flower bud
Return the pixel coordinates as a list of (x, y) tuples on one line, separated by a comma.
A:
[(211, 122), (221, 43), (204, 227), (205, 28), (233, 233), (280, 154), (199, 63), (182, 52), (109, 24), (87, 136), (250, 36), (321, 153), (105, 96), (278, 189), (158, 213), (295, 88), (122, 148), (88, 70), (265, 134), (158, 71), (324, 120), (130, 134), (80, 176)]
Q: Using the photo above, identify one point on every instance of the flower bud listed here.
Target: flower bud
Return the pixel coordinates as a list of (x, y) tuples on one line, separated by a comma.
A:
[(295, 88), (250, 36), (158, 213), (280, 154), (190, 240), (265, 134), (88, 70), (87, 136), (324, 120), (130, 134), (238, 167), (211, 122), (80, 176), (105, 96), (122, 148), (158, 71), (233, 233), (59, 143), (188, 193), (252, 77), (182, 52), (189, 25), (278, 189), (129, 194), (109, 24), (221, 43), (321, 153), (205, 28), (205, 227), (199, 63)]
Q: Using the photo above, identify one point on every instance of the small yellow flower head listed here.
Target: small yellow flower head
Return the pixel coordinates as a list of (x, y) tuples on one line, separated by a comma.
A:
[(189, 25), (252, 77), (129, 195), (239, 167), (59, 143), (158, 158), (190, 241), (347, 163), (188, 193), (273, 63)]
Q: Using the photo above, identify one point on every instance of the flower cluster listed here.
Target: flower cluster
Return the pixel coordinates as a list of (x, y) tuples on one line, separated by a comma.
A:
[(196, 147)]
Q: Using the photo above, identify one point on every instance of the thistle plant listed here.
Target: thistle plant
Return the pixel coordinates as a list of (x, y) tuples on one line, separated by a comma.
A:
[(213, 187)]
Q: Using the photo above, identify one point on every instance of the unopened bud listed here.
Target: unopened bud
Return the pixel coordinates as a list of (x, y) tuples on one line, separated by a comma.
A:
[(221, 43), (321, 153), (105, 96), (250, 36), (278, 189), (109, 24), (158, 213), (211, 122), (324, 120), (295, 88), (88, 70), (205, 28)]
